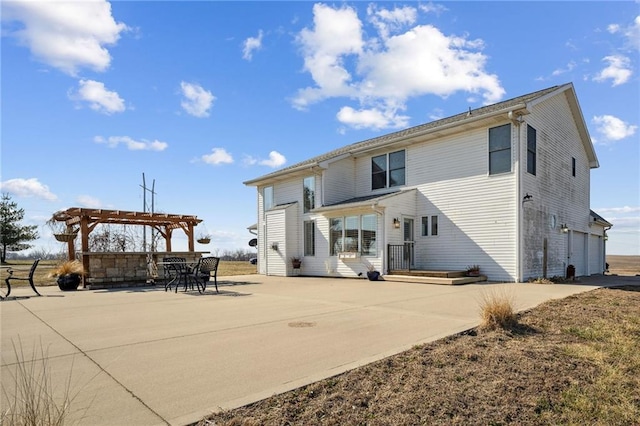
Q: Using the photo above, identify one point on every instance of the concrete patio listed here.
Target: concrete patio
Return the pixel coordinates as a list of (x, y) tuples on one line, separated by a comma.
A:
[(144, 356)]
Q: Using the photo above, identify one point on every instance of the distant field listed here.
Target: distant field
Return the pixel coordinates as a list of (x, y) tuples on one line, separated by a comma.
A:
[(624, 265), (41, 278)]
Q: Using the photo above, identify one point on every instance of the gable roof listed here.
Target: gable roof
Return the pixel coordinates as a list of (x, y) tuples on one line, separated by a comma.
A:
[(601, 220), (522, 103)]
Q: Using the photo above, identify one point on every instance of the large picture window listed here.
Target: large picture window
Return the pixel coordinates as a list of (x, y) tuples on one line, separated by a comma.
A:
[(267, 195), (531, 149), (353, 234), (309, 238), (388, 170), (309, 193), (500, 149)]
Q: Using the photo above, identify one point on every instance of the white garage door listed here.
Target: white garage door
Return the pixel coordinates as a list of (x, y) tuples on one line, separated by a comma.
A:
[(578, 250), (596, 258)]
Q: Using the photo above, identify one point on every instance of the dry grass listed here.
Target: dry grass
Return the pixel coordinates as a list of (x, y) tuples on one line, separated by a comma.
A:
[(570, 361), (497, 310), (228, 268), (623, 265), (30, 396)]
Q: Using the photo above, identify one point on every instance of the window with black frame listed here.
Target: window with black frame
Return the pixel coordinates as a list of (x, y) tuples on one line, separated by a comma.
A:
[(388, 170), (500, 149)]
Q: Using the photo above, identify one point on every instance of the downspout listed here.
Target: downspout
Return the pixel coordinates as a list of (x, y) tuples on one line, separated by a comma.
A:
[(517, 119), (604, 248), (382, 237)]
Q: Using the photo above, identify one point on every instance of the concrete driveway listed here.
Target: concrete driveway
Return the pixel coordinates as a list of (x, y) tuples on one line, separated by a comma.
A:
[(144, 356)]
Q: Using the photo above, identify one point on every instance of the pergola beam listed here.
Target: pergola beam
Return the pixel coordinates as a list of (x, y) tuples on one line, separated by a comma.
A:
[(89, 218)]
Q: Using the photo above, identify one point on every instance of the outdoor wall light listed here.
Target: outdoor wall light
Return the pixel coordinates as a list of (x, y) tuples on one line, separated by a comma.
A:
[(396, 223), (564, 228)]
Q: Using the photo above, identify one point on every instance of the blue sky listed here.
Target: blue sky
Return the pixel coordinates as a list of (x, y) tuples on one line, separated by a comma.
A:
[(201, 96)]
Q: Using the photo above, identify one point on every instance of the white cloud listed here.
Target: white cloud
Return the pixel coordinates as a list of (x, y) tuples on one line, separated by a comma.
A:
[(619, 70), (218, 156), (132, 144), (432, 8), (618, 210), (386, 20), (612, 128), (631, 33), (197, 101), (99, 98), (613, 28), (388, 68), (570, 66), (65, 35), (371, 118), (251, 44), (275, 160), (27, 188), (89, 202)]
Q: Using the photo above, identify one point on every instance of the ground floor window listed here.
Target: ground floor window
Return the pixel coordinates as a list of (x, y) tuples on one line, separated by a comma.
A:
[(353, 234), (429, 225), (309, 238)]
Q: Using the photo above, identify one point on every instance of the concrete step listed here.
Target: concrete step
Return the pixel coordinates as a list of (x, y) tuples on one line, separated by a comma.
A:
[(434, 280), (436, 274)]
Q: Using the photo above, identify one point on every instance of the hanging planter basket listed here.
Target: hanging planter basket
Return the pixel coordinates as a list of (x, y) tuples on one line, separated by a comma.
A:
[(65, 238), (204, 240)]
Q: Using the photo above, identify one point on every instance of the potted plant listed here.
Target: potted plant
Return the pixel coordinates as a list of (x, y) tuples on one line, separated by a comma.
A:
[(473, 271), (204, 238), (372, 274), (69, 275), (296, 262)]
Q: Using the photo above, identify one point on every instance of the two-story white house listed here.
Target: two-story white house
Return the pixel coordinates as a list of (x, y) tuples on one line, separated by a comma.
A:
[(505, 186)]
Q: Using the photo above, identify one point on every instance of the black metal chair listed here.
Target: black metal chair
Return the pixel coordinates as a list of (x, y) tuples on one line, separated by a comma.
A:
[(29, 278), (175, 269), (206, 268)]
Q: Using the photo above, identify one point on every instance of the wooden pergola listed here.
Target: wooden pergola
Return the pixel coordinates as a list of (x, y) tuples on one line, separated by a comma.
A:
[(87, 219)]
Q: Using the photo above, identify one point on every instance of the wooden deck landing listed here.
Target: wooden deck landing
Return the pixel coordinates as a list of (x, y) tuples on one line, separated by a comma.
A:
[(433, 277)]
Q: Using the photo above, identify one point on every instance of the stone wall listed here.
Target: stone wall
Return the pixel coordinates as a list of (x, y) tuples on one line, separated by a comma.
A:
[(108, 270)]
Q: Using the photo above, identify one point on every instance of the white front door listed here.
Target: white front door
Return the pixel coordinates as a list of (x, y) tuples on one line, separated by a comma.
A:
[(407, 230)]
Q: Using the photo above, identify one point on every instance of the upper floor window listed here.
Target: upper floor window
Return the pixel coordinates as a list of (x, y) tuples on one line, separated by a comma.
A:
[(267, 196), (573, 166), (500, 149), (388, 170), (531, 150), (309, 193)]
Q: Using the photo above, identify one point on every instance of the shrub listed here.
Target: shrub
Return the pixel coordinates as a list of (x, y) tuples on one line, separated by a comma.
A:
[(30, 392), (497, 311)]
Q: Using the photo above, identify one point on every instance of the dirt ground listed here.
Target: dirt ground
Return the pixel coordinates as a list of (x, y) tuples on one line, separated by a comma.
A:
[(623, 265), (568, 361)]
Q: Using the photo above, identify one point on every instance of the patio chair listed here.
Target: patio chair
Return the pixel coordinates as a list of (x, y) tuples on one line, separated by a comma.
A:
[(175, 269), (204, 270), (28, 278)]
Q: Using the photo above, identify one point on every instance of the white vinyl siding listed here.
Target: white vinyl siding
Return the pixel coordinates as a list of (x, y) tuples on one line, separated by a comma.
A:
[(554, 190), (476, 212)]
